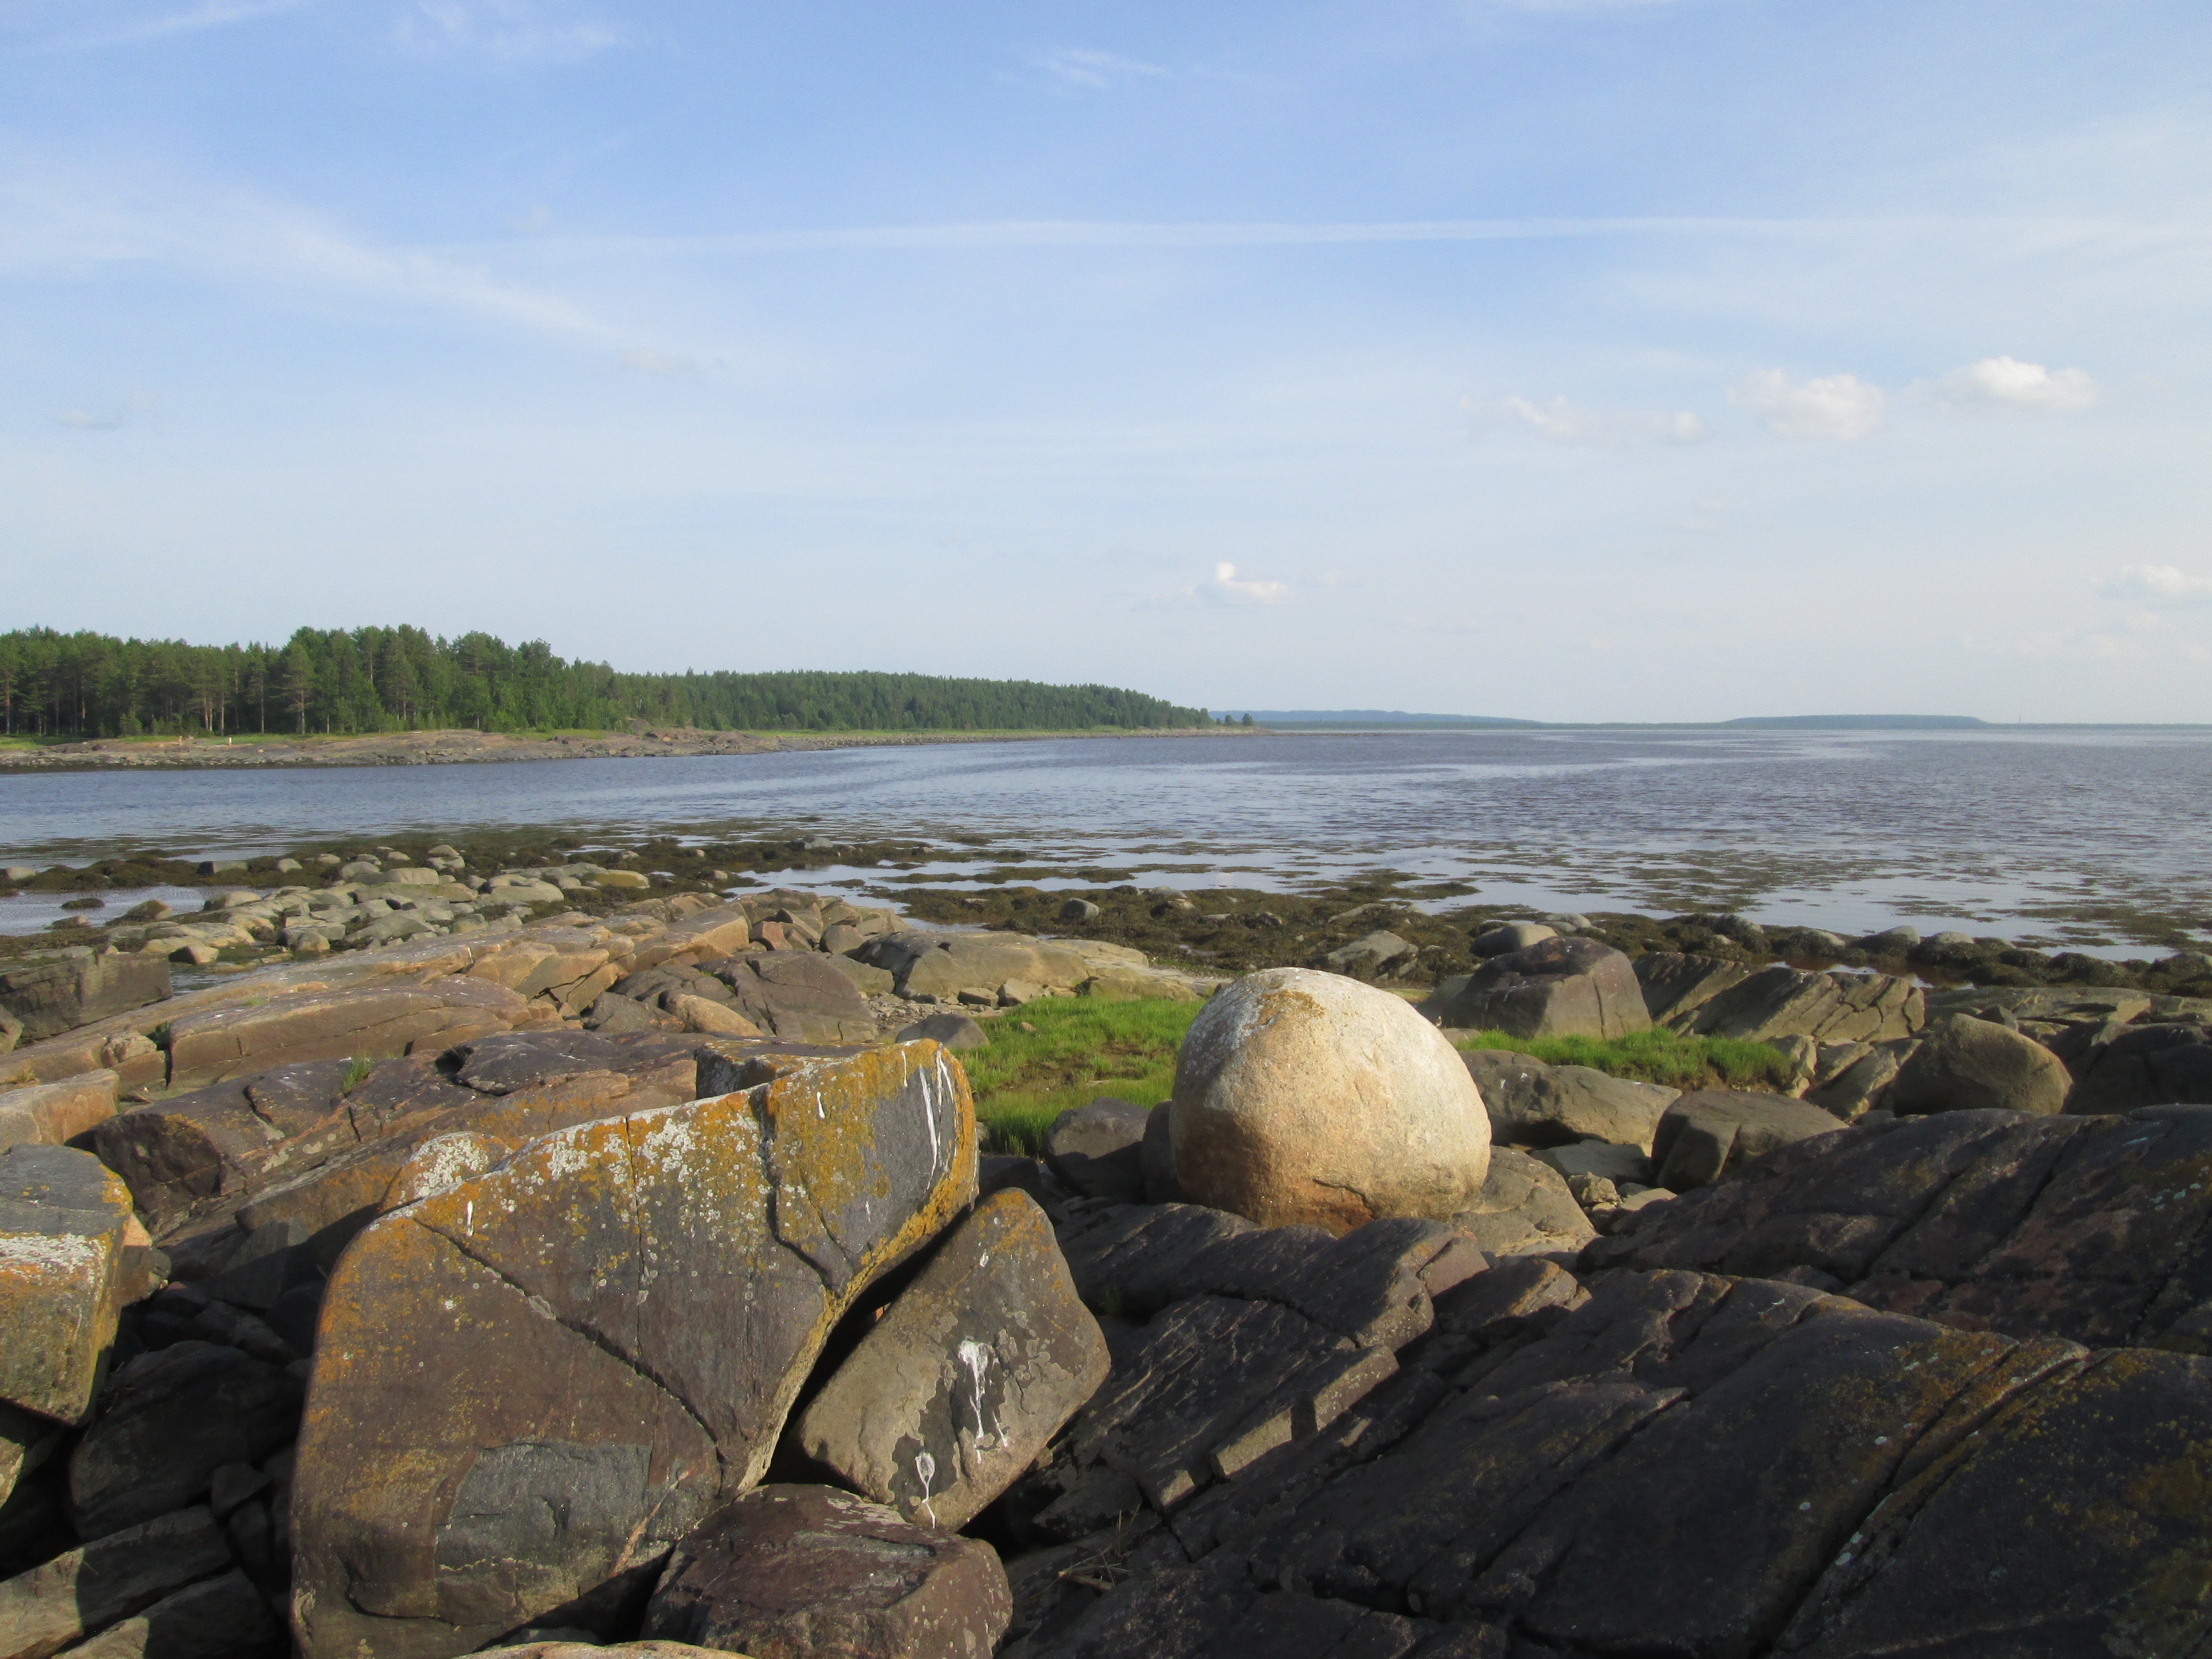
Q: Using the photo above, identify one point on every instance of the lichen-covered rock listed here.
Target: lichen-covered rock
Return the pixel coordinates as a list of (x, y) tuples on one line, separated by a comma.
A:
[(1828, 1007), (1309, 1097), (955, 1390), (808, 1572), (533, 1382), (62, 1224)]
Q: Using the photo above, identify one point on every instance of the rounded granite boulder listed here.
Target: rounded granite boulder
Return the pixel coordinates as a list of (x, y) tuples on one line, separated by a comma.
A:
[(1309, 1097)]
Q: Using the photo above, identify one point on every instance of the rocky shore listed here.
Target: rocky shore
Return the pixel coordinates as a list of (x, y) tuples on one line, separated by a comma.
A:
[(540, 1253), (441, 748)]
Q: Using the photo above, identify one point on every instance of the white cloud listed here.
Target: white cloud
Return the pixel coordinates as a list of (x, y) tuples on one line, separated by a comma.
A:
[(1093, 71), (113, 416), (1834, 406), (512, 31), (654, 362), (161, 24), (2157, 584), (1567, 422), (1226, 587), (2007, 383)]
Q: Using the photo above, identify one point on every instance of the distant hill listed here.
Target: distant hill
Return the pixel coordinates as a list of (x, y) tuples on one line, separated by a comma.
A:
[(1368, 717), (1858, 722)]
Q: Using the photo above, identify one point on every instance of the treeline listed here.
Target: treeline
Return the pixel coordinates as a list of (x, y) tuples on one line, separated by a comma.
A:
[(397, 680)]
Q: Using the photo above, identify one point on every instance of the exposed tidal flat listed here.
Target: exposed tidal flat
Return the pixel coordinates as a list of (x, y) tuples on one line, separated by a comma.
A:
[(2094, 843)]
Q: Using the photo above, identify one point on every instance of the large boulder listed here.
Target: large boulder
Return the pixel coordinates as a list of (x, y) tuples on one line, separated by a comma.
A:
[(78, 987), (1675, 986), (1533, 1104), (1556, 987), (1305, 1097), (1710, 1132), (957, 1388), (1828, 1007), (530, 1385), (808, 1572), (2145, 1066), (64, 1223), (798, 995), (1098, 1150), (1965, 1063)]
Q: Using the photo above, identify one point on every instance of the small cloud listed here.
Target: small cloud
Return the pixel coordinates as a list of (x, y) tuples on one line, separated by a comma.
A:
[(1567, 422), (510, 31), (117, 415), (2164, 585), (1093, 71), (192, 20), (654, 362), (1837, 406), (1227, 589), (2007, 383)]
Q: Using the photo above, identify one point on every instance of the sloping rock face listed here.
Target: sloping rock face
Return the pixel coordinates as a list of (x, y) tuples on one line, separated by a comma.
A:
[(2145, 1066), (1709, 1132), (50, 1113), (1784, 1002), (1682, 1463), (1309, 1097), (48, 998), (1558, 987), (1533, 1104), (2096, 1230), (529, 1386)]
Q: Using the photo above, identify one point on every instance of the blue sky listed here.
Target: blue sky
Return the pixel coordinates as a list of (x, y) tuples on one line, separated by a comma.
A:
[(1664, 359)]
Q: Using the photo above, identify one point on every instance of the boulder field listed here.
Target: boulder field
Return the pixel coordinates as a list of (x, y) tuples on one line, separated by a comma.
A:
[(615, 1287)]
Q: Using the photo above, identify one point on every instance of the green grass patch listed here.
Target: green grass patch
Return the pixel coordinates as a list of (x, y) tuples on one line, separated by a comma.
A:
[(1654, 1056), (1076, 1050)]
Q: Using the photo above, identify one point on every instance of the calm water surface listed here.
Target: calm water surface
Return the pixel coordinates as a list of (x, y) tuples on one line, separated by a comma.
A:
[(2080, 837)]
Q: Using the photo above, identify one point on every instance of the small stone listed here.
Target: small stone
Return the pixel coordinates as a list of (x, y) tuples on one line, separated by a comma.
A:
[(955, 1031)]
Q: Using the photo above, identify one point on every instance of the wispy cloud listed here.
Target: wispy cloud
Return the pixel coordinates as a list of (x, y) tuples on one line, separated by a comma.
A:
[(69, 221), (1564, 422), (2007, 383), (509, 31), (168, 21), (1082, 69), (645, 361), (109, 417), (1226, 587), (1834, 406), (2159, 585)]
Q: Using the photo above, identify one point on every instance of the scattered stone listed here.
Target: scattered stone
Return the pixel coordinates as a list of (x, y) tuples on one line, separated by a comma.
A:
[(1556, 987), (957, 1388), (1965, 1063), (1098, 1150), (786, 1573), (1374, 956), (1309, 1097), (1077, 910)]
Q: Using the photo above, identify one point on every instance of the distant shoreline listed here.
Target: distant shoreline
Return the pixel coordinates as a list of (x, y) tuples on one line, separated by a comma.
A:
[(462, 747)]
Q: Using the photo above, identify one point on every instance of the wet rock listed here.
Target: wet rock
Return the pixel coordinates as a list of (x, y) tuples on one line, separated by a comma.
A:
[(1309, 1097), (635, 1303), (63, 1225), (1098, 1150), (1559, 987), (166, 1423), (49, 1114), (975, 1366), (83, 1591), (2145, 1066), (1533, 1104), (1710, 1133), (1965, 1063), (1524, 1208), (807, 1572)]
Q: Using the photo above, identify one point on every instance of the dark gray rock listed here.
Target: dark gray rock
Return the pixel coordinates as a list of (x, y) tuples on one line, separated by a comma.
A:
[(85, 1589), (1524, 1209), (166, 1423), (610, 1013), (1507, 937), (955, 1031), (1710, 1133), (975, 1365), (1558, 987), (808, 1572), (1533, 1104), (1675, 986), (1965, 1063), (1156, 1157), (46, 997), (1373, 955), (797, 995), (223, 1617), (2145, 1066), (1097, 1149)]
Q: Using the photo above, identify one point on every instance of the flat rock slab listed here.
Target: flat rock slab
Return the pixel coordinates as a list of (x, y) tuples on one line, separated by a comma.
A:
[(975, 1366), (373, 1021), (2097, 1230), (808, 1572), (83, 1591), (49, 1114), (1779, 1001), (63, 1221), (1787, 1471), (1710, 1132), (798, 996), (608, 1330)]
